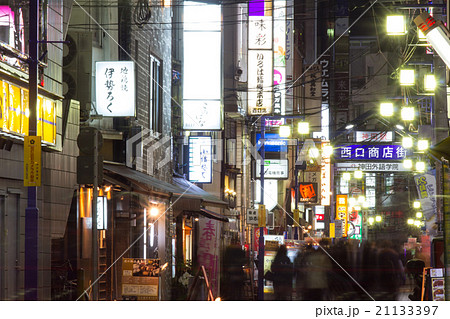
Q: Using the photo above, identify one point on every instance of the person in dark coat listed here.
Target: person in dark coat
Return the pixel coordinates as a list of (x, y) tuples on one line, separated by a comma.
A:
[(283, 272), (233, 279)]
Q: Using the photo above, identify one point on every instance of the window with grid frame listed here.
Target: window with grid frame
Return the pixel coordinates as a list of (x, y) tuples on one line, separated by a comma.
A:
[(155, 92)]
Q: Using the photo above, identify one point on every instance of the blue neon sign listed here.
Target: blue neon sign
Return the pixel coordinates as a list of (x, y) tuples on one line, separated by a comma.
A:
[(370, 152)]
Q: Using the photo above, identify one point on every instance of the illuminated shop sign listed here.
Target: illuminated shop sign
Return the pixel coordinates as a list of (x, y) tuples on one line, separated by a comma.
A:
[(342, 213), (370, 152), (325, 178), (260, 57), (307, 192), (260, 82), (115, 88), (202, 115), (15, 113), (273, 168), (200, 159), (202, 94), (274, 122), (372, 167), (370, 136), (320, 217), (12, 36), (273, 143)]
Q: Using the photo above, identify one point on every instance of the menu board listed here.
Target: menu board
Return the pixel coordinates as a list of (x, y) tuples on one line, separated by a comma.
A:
[(437, 284)]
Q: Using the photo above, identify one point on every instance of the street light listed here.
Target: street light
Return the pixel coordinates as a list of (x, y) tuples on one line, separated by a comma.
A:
[(422, 145), (395, 25), (416, 204), (285, 131), (386, 109), (407, 113), (407, 77), (303, 127), (407, 142), (378, 218), (407, 163), (429, 82)]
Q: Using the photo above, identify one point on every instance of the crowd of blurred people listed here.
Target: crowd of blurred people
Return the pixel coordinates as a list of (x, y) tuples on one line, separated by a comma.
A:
[(320, 271)]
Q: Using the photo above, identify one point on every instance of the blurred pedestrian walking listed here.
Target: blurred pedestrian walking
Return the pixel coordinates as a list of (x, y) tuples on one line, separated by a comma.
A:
[(283, 273)]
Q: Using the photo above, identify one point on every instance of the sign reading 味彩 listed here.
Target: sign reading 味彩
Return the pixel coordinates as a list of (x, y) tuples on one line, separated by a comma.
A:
[(370, 152)]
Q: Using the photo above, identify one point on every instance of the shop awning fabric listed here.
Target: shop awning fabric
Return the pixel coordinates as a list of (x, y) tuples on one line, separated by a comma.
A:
[(180, 187), (209, 214), (441, 149)]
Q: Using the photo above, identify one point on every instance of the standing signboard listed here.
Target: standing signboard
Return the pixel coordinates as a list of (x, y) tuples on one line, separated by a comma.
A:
[(140, 279)]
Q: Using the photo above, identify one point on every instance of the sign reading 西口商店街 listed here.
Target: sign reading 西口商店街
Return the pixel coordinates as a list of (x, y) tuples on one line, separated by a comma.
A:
[(370, 152)]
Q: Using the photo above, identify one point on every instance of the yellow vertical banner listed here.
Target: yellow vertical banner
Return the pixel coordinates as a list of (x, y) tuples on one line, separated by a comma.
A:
[(14, 109), (296, 217), (39, 108), (32, 161), (342, 212), (4, 106), (49, 121), (332, 231), (25, 112), (261, 216)]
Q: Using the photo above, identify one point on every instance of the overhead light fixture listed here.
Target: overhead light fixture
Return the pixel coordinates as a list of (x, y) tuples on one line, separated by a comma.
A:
[(327, 150), (407, 113), (416, 204), (349, 126), (407, 77), (386, 109), (420, 166), (303, 128), (421, 36), (399, 127), (422, 145), (407, 163), (395, 25), (284, 131), (378, 218), (407, 142), (371, 220), (419, 215), (410, 221), (346, 176), (429, 82), (437, 35), (358, 174)]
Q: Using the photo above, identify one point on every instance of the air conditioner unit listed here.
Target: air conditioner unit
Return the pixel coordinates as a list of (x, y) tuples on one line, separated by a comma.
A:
[(77, 70)]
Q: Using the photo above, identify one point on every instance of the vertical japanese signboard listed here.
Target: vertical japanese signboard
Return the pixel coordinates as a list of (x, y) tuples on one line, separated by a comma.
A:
[(260, 57), (115, 88), (200, 159), (208, 250), (32, 161), (325, 178), (279, 56), (342, 213)]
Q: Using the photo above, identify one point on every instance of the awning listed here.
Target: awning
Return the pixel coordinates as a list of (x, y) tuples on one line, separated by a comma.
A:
[(209, 214), (190, 190), (180, 188), (441, 149), (141, 178)]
